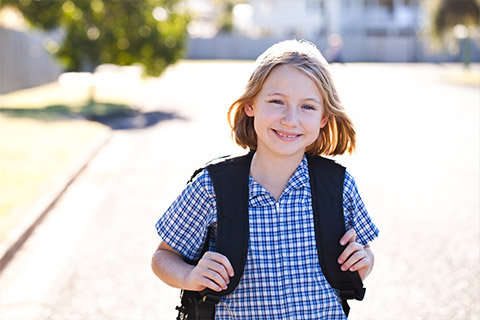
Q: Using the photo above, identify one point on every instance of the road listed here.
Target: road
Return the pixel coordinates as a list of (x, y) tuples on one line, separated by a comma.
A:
[(417, 168)]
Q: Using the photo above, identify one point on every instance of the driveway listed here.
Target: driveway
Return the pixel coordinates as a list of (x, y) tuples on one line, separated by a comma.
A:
[(417, 168)]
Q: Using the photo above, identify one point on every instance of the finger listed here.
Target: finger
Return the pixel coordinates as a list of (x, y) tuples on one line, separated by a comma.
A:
[(205, 276), (355, 258), (348, 251), (212, 269), (217, 263), (206, 282), (361, 264), (349, 236), (213, 286), (222, 260), (215, 280)]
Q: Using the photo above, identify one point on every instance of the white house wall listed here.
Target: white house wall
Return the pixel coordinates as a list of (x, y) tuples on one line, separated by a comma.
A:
[(285, 17), (307, 18)]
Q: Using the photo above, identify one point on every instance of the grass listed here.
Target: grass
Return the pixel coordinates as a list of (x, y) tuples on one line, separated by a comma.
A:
[(33, 154), (43, 131), (90, 110), (468, 77)]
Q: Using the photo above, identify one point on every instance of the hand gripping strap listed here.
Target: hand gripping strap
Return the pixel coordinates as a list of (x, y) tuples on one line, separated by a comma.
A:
[(326, 181), (230, 181)]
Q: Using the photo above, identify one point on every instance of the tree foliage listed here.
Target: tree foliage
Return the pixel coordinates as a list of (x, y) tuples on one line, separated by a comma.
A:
[(444, 15), (149, 32), (454, 26), (225, 14)]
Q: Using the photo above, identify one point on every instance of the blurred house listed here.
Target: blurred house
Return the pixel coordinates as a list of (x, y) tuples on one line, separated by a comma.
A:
[(313, 18), (345, 30)]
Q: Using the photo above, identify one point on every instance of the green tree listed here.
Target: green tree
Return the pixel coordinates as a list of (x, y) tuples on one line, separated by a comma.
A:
[(453, 22), (225, 14), (149, 32)]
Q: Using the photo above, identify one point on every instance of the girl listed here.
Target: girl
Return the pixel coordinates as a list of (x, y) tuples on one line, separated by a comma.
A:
[(290, 107)]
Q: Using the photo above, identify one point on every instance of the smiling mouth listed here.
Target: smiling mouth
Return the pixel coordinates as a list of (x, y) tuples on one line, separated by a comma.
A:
[(285, 135)]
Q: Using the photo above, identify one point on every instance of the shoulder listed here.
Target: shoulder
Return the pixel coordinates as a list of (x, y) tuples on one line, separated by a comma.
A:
[(230, 168), (320, 161), (201, 183), (355, 213), (326, 172), (230, 160), (350, 188), (350, 191), (349, 182), (219, 163)]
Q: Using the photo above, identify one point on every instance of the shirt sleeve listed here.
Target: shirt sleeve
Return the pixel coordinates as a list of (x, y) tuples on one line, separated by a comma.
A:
[(355, 213), (184, 226)]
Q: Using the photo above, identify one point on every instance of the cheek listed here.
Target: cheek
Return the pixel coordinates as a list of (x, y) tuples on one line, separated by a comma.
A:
[(316, 134), (267, 115), (315, 128), (315, 124)]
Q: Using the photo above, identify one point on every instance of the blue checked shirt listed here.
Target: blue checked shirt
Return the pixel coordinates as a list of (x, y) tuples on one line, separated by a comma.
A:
[(282, 277)]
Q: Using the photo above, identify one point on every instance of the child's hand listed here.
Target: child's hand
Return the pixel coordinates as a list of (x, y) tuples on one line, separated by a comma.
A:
[(212, 271), (355, 257)]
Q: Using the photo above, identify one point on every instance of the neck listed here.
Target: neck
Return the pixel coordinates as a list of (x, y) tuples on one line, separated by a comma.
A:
[(273, 173)]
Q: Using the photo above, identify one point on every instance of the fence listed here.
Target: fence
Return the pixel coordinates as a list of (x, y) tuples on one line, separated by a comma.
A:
[(356, 48), (24, 62)]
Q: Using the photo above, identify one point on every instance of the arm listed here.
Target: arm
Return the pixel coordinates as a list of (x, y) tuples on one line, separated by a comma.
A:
[(356, 257), (212, 271)]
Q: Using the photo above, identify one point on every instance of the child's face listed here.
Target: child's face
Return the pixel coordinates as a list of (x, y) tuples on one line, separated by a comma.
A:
[(288, 112)]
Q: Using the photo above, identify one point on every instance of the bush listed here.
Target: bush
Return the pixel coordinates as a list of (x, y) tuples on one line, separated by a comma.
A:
[(149, 32)]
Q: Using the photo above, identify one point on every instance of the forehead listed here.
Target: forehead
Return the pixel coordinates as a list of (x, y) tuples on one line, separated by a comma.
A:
[(290, 78)]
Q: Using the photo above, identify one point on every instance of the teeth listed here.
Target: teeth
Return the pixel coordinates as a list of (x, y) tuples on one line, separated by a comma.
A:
[(284, 135)]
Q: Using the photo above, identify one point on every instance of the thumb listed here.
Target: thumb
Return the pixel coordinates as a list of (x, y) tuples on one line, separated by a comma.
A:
[(348, 237)]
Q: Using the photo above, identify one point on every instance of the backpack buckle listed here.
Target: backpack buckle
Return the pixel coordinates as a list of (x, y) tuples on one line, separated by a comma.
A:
[(210, 299), (356, 294), (347, 294)]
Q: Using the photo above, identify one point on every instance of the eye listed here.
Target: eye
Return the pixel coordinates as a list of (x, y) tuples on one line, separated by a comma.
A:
[(309, 107), (276, 101)]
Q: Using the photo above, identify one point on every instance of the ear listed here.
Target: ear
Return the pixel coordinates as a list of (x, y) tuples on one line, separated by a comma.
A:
[(324, 121), (249, 109)]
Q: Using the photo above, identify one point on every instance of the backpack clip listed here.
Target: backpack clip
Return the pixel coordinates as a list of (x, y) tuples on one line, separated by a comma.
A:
[(210, 299), (357, 294)]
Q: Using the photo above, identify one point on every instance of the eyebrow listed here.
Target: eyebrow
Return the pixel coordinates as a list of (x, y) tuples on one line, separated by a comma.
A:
[(283, 95)]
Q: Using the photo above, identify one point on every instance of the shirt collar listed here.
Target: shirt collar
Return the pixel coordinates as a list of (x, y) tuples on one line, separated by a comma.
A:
[(299, 179)]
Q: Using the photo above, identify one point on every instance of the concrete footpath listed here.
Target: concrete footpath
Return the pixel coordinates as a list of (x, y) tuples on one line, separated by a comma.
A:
[(417, 168)]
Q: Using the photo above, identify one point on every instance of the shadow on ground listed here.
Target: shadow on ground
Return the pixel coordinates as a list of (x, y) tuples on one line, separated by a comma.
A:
[(116, 116)]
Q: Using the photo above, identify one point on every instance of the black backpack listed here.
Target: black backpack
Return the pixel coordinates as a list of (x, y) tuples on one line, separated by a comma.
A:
[(230, 181)]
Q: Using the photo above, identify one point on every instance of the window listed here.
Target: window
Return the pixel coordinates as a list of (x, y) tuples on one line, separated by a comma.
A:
[(316, 5)]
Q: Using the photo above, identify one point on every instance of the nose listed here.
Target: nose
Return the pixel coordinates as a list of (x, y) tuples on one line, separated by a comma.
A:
[(289, 117)]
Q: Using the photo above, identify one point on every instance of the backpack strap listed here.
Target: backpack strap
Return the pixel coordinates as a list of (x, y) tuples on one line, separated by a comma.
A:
[(326, 181), (230, 181)]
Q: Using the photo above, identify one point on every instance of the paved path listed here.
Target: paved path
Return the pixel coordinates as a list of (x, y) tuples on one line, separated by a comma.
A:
[(417, 168)]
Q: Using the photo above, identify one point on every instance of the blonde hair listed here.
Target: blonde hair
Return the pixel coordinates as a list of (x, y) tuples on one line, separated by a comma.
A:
[(338, 135)]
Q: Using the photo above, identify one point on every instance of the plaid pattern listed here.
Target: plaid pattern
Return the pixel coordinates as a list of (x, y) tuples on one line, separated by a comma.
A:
[(282, 277)]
